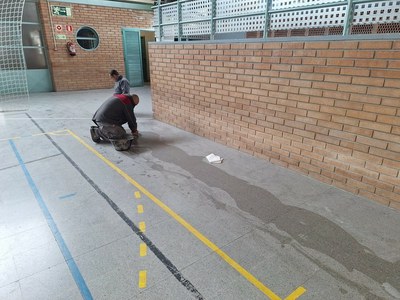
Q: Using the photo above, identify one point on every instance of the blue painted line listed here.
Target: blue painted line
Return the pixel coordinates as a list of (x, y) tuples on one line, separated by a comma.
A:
[(76, 274), (67, 196)]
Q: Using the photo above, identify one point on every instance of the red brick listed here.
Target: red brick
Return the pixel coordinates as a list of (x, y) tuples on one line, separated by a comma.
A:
[(366, 98), (368, 81), (326, 70), (372, 142), (355, 71), (391, 83), (385, 153), (341, 62), (386, 73), (362, 115), (368, 157), (386, 92), (352, 88), (386, 137), (354, 146), (368, 63), (391, 163), (360, 185), (343, 45), (374, 45), (389, 195), (388, 119), (324, 86), (359, 54), (395, 205), (333, 176), (316, 45), (339, 78), (293, 45), (375, 197), (375, 126), (378, 183), (364, 172), (382, 169)]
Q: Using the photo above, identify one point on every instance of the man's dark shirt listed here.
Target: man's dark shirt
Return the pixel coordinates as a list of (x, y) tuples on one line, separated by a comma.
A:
[(116, 110)]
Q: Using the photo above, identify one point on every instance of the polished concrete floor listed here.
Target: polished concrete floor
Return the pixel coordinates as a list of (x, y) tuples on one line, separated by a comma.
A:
[(80, 220)]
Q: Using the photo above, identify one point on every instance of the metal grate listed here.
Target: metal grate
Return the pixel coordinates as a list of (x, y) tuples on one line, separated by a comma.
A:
[(389, 28), (362, 29), (335, 30), (318, 31), (13, 81)]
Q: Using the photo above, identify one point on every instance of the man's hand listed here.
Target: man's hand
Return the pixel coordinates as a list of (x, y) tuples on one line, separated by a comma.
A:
[(135, 133)]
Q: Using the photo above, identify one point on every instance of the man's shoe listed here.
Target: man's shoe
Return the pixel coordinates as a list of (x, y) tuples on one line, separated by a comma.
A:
[(93, 133)]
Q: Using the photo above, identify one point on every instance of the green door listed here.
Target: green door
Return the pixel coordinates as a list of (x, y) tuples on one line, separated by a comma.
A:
[(133, 56)]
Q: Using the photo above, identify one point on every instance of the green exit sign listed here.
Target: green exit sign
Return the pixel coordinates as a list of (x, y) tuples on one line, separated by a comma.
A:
[(61, 11)]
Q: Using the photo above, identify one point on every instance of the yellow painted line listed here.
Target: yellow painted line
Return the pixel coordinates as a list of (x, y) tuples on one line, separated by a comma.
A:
[(57, 132), (269, 293), (66, 132), (296, 294), (142, 279), (140, 209), (143, 249), (137, 195), (142, 226), (12, 138)]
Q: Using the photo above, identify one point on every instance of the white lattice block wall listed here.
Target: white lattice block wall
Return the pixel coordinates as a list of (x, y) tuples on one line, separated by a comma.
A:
[(239, 7), (283, 4), (169, 14), (155, 17), (195, 10), (310, 18), (244, 24), (377, 12), (198, 28), (169, 32), (13, 82)]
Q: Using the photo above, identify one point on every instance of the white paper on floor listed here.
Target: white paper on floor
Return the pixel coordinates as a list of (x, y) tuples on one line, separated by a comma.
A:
[(214, 159)]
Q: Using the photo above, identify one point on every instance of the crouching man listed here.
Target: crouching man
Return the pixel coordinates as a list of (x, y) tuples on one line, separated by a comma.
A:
[(111, 115)]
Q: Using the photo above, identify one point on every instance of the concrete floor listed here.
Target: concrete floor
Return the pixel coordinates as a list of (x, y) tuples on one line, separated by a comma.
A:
[(81, 220)]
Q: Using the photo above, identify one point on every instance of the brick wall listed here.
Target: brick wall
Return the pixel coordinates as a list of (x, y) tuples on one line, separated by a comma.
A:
[(330, 110), (89, 69)]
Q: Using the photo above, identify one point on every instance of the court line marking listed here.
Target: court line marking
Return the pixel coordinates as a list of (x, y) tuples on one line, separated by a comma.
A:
[(142, 227), (67, 196), (56, 132), (142, 279), (252, 279), (296, 294), (76, 274), (160, 256), (143, 249)]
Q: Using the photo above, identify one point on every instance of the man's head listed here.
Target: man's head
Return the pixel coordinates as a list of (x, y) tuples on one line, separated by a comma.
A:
[(134, 98), (114, 75)]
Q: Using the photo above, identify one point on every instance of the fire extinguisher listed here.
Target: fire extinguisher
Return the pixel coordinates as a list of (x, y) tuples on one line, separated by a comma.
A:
[(71, 48)]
